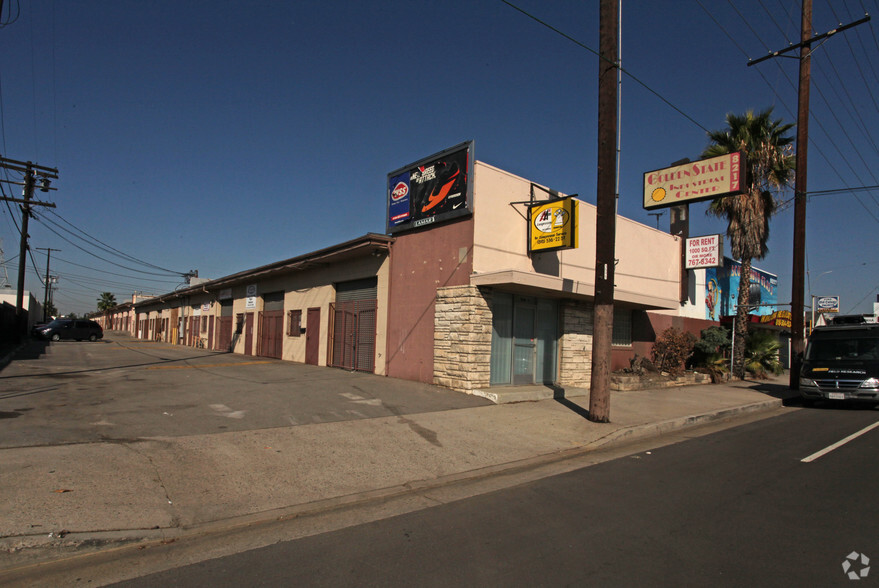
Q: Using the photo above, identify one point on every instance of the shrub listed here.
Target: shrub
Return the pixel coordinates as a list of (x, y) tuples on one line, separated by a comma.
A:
[(710, 351), (761, 354), (672, 349)]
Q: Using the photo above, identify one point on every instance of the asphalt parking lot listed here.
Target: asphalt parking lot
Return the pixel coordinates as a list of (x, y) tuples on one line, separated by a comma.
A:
[(122, 389)]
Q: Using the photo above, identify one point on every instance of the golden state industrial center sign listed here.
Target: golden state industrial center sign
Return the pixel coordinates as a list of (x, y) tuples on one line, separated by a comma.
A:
[(699, 180)]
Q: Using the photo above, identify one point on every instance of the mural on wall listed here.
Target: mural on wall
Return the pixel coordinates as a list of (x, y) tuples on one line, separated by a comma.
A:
[(722, 290)]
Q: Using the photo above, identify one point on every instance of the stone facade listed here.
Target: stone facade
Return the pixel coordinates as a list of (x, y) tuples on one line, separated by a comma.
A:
[(462, 338), (575, 344)]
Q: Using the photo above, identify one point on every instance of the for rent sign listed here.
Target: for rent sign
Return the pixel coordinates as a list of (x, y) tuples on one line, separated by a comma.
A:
[(706, 251), (699, 180)]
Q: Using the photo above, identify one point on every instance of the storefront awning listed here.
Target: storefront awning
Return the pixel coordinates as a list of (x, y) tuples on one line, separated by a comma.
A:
[(555, 287)]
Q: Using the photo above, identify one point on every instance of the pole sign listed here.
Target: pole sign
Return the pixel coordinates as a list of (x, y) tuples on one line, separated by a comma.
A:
[(705, 251), (706, 179), (553, 225), (827, 304), (434, 189)]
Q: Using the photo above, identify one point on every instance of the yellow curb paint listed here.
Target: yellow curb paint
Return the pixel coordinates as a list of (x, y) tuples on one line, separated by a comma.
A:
[(204, 365)]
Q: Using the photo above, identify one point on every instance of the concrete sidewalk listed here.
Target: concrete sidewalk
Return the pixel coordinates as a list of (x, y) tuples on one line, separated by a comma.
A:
[(61, 499)]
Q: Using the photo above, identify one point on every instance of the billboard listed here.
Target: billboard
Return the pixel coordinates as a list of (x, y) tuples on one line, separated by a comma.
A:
[(722, 290), (827, 304), (706, 251), (553, 225), (434, 189), (705, 179)]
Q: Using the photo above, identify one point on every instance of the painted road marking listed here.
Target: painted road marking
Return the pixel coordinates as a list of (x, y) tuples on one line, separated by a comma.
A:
[(839, 444), (205, 365)]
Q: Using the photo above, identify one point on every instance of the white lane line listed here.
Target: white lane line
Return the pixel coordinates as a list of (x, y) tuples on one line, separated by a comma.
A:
[(838, 444)]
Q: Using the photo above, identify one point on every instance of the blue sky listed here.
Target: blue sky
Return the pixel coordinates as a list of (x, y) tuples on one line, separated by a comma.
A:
[(222, 135)]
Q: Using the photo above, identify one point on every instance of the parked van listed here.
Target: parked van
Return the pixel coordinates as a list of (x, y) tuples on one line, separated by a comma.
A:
[(841, 363)]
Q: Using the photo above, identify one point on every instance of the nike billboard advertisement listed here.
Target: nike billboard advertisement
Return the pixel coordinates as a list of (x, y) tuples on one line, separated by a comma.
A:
[(432, 190)]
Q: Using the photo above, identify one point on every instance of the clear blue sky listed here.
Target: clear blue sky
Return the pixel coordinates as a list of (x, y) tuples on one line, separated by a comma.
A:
[(222, 135)]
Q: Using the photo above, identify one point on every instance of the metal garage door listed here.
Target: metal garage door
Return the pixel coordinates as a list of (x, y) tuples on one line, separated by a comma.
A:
[(354, 325)]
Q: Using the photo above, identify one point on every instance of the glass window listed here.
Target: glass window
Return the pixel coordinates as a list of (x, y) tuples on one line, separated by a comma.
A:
[(622, 328), (294, 323), (501, 337)]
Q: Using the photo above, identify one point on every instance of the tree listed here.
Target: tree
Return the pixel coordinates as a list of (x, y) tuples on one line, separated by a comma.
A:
[(106, 301), (769, 167), (51, 310)]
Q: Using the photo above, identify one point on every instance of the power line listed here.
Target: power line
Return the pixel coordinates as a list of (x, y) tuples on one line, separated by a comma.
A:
[(621, 69), (111, 248), (41, 221)]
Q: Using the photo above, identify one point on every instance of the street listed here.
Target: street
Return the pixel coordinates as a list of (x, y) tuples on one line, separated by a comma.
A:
[(734, 508)]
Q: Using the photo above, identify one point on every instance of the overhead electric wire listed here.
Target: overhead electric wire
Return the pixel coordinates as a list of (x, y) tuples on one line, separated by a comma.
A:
[(812, 141), (594, 52), (113, 273), (111, 248), (94, 254)]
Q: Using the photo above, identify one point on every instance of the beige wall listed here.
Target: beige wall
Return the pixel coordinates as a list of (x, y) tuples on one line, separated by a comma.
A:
[(303, 289), (649, 259)]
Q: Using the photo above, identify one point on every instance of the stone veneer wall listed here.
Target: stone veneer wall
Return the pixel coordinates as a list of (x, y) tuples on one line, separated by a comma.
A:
[(462, 338), (575, 345)]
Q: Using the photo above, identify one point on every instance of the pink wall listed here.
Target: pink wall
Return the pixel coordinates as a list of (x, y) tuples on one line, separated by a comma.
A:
[(646, 326), (421, 262)]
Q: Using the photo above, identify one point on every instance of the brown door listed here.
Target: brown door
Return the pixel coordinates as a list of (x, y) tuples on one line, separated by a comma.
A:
[(210, 344), (271, 334), (224, 341), (248, 334), (312, 336)]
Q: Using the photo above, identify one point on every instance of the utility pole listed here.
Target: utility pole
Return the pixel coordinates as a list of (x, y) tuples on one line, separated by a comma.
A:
[(48, 251), (605, 229), (800, 183), (799, 253), (31, 171)]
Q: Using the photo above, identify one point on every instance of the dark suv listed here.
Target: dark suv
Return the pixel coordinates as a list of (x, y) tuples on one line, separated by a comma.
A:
[(842, 363), (77, 329)]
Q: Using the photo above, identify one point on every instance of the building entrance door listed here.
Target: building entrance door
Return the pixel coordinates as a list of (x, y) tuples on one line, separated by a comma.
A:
[(524, 340), (524, 344)]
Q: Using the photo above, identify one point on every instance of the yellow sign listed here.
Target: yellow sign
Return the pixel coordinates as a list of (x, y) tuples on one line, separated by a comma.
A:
[(779, 318), (698, 180), (553, 225)]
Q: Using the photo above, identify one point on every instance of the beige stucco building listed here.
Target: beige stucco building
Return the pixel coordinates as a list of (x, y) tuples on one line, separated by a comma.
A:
[(453, 298)]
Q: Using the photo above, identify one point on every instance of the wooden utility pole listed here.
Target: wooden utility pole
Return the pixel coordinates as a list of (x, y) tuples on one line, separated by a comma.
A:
[(605, 229), (800, 184), (47, 284), (30, 171), (799, 253)]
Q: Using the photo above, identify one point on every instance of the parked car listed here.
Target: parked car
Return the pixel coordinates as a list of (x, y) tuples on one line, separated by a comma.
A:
[(841, 363), (77, 329)]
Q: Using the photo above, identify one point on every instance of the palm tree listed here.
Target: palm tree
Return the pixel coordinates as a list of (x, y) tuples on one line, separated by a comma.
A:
[(106, 301), (762, 354), (769, 167)]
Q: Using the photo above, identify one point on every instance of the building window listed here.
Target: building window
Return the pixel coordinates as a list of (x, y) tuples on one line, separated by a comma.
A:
[(294, 323), (239, 323), (622, 328)]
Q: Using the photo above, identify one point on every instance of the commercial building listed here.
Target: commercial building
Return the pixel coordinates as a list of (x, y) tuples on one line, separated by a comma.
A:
[(482, 279)]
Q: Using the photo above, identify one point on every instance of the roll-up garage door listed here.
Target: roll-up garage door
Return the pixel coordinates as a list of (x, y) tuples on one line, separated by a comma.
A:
[(354, 324)]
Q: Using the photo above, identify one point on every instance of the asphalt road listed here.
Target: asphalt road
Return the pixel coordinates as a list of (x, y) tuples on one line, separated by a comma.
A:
[(735, 508), (122, 388)]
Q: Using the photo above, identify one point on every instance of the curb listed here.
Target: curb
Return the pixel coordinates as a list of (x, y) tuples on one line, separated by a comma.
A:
[(80, 550)]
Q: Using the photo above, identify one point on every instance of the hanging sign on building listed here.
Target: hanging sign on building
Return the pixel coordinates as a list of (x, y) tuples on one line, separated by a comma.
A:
[(706, 179), (432, 190), (553, 225), (705, 251)]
